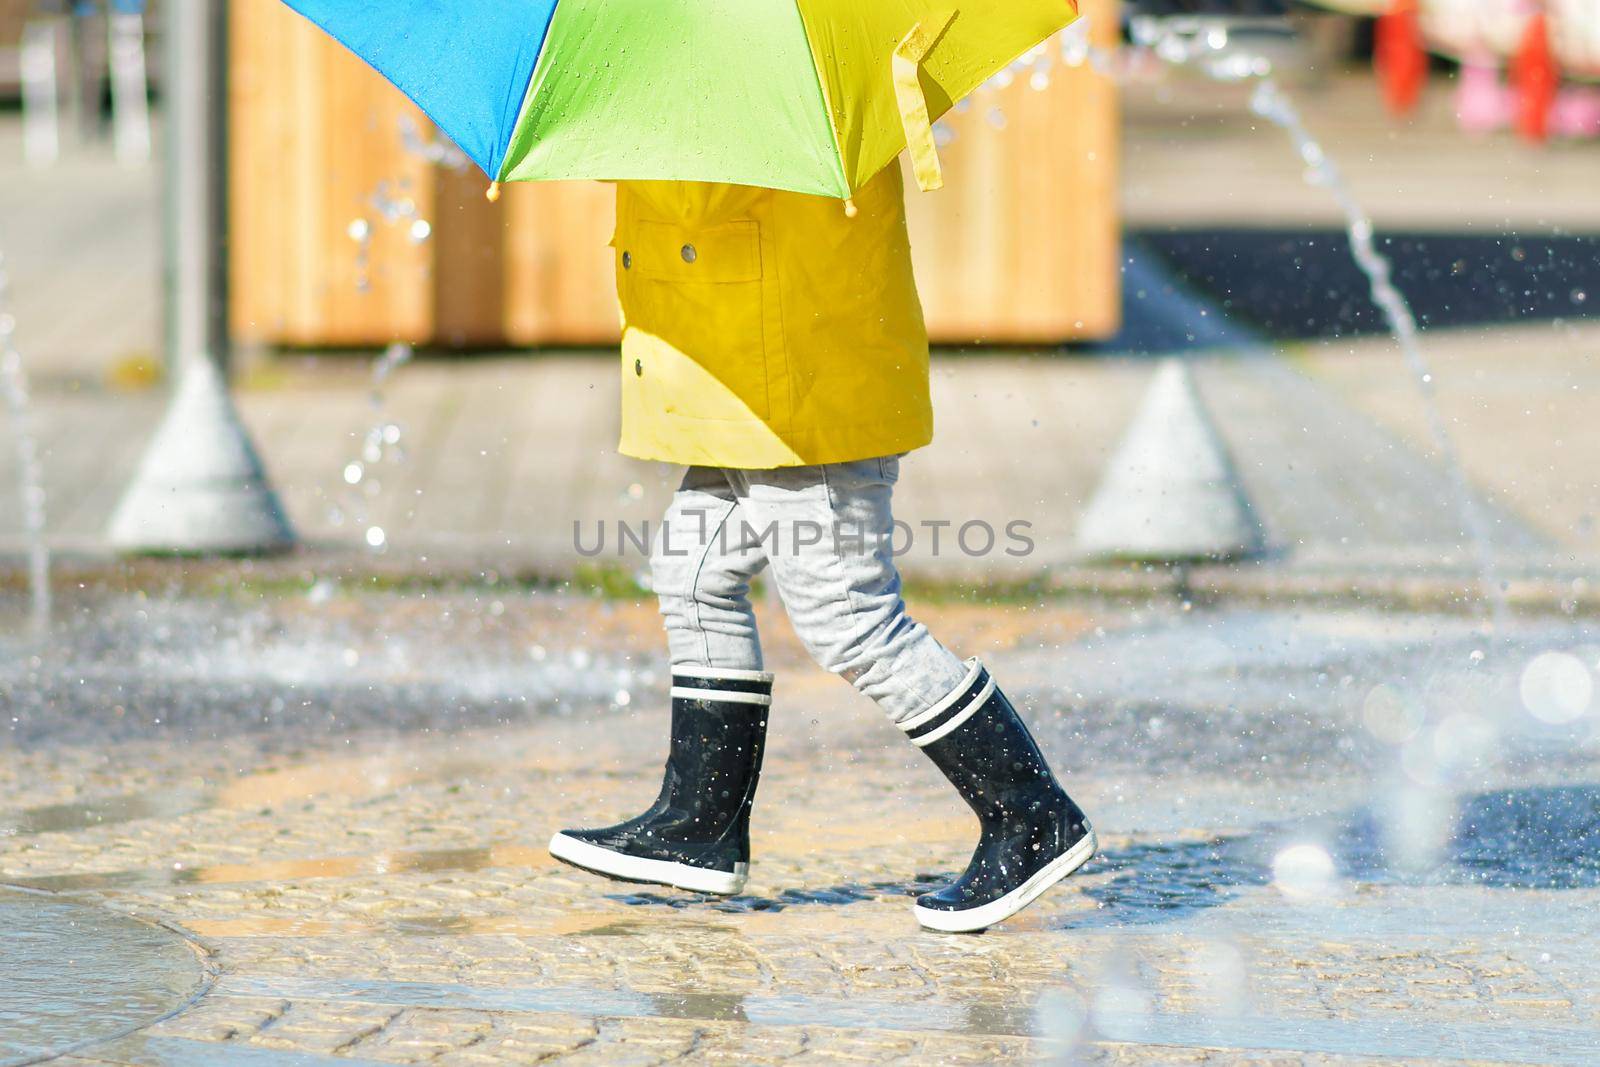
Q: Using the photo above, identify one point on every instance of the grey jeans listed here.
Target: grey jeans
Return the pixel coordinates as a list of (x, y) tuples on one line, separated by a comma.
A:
[(826, 533)]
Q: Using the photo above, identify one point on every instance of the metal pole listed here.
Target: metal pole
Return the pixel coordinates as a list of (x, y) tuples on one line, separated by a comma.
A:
[(196, 210), (201, 487)]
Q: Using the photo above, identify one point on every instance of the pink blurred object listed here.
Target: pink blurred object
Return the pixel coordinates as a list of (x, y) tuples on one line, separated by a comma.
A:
[(1482, 103), (1576, 112)]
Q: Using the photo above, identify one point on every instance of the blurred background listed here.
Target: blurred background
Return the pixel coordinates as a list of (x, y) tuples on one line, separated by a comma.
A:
[(1106, 205)]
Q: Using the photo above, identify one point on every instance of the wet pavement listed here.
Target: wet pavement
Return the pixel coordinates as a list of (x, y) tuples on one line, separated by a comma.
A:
[(1329, 837), (78, 975)]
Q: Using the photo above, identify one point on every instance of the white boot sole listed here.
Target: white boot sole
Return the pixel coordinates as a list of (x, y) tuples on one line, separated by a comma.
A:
[(963, 922), (638, 869)]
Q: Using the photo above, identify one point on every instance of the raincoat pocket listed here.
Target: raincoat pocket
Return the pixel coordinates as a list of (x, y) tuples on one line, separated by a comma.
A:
[(694, 302)]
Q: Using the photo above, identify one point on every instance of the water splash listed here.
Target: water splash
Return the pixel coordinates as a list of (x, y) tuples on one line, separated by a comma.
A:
[(30, 473), (381, 444), (1213, 47), (1269, 101), (1035, 68), (390, 204), (439, 151)]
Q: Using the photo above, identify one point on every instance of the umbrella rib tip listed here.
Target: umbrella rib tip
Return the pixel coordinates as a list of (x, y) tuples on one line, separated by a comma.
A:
[(493, 194)]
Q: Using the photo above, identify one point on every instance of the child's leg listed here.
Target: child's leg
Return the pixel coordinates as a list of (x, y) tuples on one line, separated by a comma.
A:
[(697, 833), (828, 532), (701, 570), (844, 600)]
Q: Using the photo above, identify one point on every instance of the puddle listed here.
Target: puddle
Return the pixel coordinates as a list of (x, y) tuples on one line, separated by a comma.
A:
[(1387, 1041), (425, 926), (76, 975), (144, 1050), (359, 778), (761, 1009), (850, 893), (1540, 838), (377, 864), (1383, 1039), (64, 818)]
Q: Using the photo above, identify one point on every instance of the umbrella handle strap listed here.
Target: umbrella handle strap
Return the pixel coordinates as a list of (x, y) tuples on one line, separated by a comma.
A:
[(909, 55)]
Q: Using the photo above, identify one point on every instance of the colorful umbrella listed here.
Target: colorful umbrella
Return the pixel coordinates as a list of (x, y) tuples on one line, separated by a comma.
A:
[(812, 96)]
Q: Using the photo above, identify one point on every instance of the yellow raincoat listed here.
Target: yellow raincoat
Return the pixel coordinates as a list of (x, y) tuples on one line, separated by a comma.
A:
[(768, 329)]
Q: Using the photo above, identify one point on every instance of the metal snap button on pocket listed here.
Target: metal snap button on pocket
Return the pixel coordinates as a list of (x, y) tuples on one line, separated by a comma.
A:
[(689, 254)]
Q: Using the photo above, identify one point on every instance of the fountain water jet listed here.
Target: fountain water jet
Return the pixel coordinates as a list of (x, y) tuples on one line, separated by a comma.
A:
[(391, 205), (30, 473), (1270, 103), (1206, 45), (382, 442)]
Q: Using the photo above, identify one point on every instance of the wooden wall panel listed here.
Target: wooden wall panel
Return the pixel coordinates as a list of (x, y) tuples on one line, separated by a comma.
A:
[(1020, 247), (1022, 244), (560, 275)]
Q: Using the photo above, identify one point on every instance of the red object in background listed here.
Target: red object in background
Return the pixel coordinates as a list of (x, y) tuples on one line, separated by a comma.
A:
[(1535, 78), (1398, 54)]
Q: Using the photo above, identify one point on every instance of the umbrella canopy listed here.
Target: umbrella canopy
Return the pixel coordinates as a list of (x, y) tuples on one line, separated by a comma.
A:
[(811, 96)]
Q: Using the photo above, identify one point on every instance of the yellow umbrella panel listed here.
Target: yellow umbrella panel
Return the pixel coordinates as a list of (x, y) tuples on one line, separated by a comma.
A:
[(890, 68), (812, 96)]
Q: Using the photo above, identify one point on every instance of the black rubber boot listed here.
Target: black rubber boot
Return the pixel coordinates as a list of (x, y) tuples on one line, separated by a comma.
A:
[(696, 835), (1033, 833)]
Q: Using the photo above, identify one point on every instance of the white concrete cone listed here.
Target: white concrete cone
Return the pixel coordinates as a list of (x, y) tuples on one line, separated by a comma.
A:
[(200, 488), (1169, 493)]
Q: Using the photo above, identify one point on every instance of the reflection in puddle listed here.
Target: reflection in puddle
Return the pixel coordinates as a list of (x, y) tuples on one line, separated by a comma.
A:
[(1383, 1039), (833, 895), (1162, 881), (1534, 838), (583, 924), (365, 777), (64, 818), (996, 1018)]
